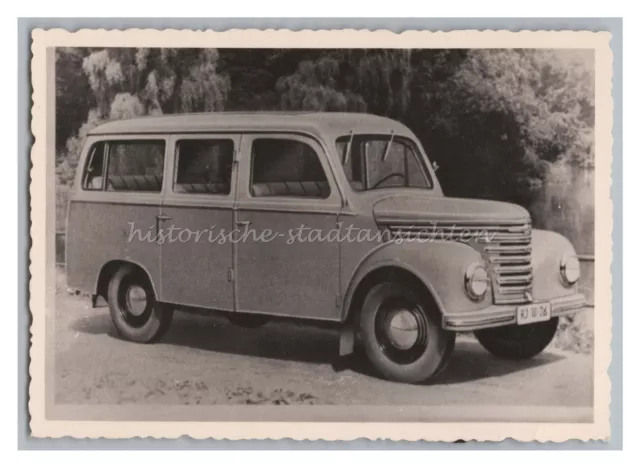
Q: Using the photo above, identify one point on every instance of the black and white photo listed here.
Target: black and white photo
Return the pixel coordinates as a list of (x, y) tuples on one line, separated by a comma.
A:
[(234, 231)]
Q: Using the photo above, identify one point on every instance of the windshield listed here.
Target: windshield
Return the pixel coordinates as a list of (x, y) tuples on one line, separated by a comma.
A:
[(382, 161)]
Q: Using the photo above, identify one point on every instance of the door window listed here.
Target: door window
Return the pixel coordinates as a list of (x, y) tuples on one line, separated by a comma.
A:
[(286, 168), (135, 166), (204, 166)]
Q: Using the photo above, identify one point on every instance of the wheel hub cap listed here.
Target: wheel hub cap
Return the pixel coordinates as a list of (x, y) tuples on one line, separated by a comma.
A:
[(136, 300), (402, 329)]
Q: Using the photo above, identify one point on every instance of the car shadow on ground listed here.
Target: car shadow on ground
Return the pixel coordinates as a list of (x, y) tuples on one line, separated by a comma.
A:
[(275, 340), (470, 362), (302, 343)]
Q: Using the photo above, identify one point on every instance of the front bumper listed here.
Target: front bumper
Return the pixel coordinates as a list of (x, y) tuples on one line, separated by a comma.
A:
[(500, 315)]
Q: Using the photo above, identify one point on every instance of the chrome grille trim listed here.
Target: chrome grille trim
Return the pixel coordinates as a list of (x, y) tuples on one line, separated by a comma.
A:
[(509, 238), (513, 269), (514, 289), (508, 248), (506, 280), (509, 260)]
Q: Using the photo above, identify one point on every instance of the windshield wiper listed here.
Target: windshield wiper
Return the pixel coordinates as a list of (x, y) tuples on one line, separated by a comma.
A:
[(348, 150), (386, 150)]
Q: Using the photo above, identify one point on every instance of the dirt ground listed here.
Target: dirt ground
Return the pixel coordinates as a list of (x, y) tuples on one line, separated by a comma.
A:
[(205, 360)]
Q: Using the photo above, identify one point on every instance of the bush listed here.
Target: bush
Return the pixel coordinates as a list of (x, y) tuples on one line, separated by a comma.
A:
[(575, 333)]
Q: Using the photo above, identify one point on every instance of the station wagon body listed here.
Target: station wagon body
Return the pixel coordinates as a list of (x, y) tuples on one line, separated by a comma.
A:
[(338, 218)]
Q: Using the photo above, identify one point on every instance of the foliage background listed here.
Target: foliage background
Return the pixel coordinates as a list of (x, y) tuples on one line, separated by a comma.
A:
[(507, 124)]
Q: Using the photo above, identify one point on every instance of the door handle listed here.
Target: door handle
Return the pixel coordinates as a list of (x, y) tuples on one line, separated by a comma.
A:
[(163, 218), (245, 222)]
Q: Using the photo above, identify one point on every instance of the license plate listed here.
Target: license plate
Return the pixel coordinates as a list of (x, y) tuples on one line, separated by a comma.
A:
[(532, 313)]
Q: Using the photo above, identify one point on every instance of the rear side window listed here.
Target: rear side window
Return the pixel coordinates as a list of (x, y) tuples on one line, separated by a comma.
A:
[(286, 168), (204, 166), (135, 166)]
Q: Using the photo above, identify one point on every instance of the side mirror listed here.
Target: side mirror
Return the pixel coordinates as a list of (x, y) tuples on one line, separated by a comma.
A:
[(435, 166)]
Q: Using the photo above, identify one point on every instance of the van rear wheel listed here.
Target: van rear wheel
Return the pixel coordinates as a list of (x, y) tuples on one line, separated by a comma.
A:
[(135, 313), (402, 335)]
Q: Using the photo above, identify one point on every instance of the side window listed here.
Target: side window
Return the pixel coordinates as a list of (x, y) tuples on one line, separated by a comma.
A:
[(286, 168), (204, 166), (93, 176), (135, 166), (418, 177)]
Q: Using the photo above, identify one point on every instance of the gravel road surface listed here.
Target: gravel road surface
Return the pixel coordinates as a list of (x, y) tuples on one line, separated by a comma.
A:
[(205, 360)]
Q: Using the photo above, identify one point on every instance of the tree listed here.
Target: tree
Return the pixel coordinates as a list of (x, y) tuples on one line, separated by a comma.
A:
[(73, 93), (126, 83), (314, 86), (506, 116), (376, 81)]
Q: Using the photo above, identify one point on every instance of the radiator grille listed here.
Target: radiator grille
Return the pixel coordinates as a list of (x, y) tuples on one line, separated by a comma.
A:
[(508, 254), (506, 247)]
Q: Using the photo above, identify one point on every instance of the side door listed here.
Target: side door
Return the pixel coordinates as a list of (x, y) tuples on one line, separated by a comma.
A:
[(197, 215), (287, 205)]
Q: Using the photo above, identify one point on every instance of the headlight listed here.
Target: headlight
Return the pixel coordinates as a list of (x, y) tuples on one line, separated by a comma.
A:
[(476, 281), (570, 269)]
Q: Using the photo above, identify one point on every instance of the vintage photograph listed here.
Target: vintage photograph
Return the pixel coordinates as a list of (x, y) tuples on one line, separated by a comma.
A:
[(333, 235)]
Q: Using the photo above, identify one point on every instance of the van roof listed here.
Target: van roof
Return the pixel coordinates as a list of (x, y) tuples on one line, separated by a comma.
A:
[(335, 123)]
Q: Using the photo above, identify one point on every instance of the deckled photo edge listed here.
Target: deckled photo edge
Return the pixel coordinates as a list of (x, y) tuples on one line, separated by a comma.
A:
[(42, 40)]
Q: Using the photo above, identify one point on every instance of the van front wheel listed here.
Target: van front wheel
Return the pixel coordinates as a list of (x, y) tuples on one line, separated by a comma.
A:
[(134, 310), (401, 333), (518, 341)]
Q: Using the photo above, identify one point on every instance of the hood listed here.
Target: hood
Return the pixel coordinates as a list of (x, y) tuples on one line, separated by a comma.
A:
[(414, 208)]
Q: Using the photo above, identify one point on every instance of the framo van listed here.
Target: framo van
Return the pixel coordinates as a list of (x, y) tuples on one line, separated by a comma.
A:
[(331, 218)]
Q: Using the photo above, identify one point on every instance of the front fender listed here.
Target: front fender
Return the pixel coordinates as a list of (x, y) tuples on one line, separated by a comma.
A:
[(439, 265), (548, 247)]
